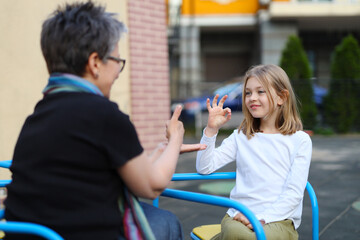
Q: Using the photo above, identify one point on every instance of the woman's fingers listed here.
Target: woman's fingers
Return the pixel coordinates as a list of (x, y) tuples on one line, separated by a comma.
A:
[(176, 114), (174, 126), (192, 147)]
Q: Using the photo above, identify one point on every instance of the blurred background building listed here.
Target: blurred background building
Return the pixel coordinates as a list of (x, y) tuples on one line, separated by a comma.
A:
[(196, 44), (215, 41)]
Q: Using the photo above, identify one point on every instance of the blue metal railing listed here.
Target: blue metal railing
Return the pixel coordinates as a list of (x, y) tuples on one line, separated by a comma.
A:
[(218, 201), (232, 175), (202, 198), (30, 228)]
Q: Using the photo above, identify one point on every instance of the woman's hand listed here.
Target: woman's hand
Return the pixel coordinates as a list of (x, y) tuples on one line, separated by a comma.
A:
[(217, 115), (174, 127), (192, 147), (147, 176), (241, 218), (183, 149)]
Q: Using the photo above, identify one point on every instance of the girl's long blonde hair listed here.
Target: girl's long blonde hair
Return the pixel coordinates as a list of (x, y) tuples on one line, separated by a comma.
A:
[(275, 81)]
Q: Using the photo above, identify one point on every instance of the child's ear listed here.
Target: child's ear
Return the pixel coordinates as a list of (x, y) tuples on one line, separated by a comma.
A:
[(283, 97)]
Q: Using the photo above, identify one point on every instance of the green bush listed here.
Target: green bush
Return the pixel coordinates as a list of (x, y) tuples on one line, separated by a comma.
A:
[(342, 103), (324, 131), (296, 64)]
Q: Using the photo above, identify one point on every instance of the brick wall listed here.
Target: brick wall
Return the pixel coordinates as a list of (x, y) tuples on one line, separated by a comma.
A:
[(150, 99)]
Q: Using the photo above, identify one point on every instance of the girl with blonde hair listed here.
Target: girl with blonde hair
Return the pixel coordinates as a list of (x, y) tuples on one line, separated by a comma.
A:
[(271, 152)]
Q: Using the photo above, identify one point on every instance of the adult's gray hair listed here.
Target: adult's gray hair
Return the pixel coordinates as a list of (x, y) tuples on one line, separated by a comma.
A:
[(73, 32)]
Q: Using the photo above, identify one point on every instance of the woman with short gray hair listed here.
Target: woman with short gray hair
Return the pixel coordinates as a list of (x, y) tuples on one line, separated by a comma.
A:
[(78, 166), (74, 33)]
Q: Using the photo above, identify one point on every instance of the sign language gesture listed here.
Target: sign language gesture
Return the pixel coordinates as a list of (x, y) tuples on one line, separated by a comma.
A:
[(217, 115), (178, 126), (175, 128)]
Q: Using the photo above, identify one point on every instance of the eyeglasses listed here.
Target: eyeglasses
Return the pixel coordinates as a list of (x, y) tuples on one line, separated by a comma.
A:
[(119, 61)]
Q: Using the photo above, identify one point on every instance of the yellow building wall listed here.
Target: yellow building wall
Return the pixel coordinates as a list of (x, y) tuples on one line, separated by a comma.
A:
[(208, 7), (23, 69)]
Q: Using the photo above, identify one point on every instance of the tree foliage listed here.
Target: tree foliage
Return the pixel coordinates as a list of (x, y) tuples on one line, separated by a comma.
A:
[(342, 103), (296, 64)]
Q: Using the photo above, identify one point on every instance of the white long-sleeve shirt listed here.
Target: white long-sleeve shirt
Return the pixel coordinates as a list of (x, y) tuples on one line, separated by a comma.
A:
[(271, 171)]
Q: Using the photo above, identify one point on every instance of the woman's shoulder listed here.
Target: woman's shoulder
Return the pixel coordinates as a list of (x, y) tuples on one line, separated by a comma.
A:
[(96, 102), (84, 103), (104, 110)]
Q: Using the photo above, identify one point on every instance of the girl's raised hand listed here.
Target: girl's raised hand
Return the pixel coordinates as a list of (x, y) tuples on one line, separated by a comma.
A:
[(218, 116)]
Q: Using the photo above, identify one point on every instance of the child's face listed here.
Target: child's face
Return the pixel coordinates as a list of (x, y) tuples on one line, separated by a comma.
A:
[(256, 99)]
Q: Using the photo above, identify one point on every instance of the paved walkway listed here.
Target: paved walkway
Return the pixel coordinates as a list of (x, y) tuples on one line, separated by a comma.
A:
[(334, 174)]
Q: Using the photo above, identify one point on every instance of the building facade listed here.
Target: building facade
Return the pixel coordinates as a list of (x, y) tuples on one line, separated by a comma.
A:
[(214, 41)]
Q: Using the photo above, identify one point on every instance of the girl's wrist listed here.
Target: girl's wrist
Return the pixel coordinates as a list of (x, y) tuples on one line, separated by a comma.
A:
[(210, 132)]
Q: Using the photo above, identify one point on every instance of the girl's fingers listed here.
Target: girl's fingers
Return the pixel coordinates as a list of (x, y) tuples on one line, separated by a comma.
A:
[(244, 220), (227, 112), (221, 103), (215, 100), (241, 218), (208, 104), (214, 104)]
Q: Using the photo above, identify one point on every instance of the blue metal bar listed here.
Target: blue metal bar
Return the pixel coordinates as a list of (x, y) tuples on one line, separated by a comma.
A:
[(315, 211), (232, 175), (194, 237), (218, 201), (3, 183), (197, 176), (216, 176), (30, 228), (155, 202), (5, 163)]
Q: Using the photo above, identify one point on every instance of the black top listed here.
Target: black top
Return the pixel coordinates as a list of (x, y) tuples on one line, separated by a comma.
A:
[(64, 166)]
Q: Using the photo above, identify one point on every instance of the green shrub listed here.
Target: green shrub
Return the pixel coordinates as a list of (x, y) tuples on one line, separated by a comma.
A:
[(342, 103), (324, 131), (296, 64)]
